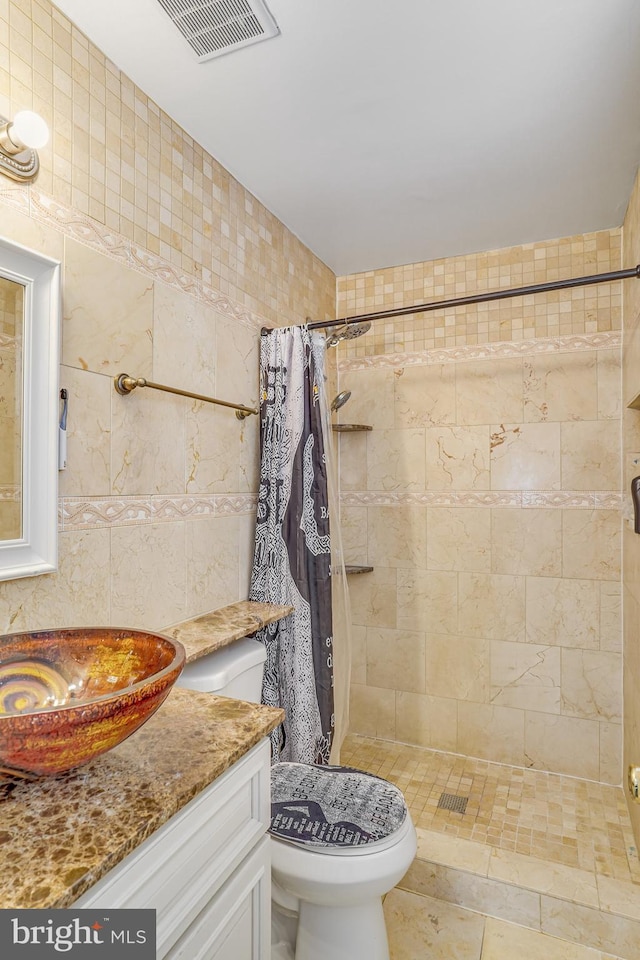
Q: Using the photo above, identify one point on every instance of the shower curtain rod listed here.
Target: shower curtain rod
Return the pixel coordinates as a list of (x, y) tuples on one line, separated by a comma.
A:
[(482, 298)]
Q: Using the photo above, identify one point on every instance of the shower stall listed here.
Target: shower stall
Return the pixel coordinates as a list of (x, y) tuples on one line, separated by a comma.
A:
[(487, 665)]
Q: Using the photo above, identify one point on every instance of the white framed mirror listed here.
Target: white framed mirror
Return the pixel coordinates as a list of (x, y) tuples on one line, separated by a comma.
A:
[(29, 359)]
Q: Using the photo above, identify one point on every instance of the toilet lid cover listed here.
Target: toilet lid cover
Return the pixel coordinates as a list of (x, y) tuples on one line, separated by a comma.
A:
[(332, 806)]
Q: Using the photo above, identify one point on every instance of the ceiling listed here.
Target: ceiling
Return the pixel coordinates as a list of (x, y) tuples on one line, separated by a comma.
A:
[(383, 133)]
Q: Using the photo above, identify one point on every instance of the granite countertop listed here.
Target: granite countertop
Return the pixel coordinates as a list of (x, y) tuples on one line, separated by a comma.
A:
[(60, 835), (221, 627)]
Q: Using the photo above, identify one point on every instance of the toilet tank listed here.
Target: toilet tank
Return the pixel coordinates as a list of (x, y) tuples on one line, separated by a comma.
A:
[(234, 671)]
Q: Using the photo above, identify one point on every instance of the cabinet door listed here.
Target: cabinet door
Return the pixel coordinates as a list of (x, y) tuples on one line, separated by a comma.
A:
[(236, 923), (182, 866)]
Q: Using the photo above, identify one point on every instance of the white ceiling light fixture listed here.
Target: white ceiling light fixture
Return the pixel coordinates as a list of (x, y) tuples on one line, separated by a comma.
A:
[(215, 27), (20, 140)]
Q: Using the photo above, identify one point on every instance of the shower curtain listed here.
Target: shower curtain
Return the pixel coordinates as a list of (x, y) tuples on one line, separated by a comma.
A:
[(292, 560)]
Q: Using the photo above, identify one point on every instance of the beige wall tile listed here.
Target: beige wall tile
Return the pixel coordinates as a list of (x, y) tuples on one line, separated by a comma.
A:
[(458, 667), (459, 539), (426, 720), (372, 712), (372, 397), (396, 659), (79, 593), (610, 617), (491, 732), (458, 458), (213, 438), (20, 228), (247, 537), (591, 685), (212, 563), (526, 542), (562, 745), (591, 544), (525, 456), (354, 534), (609, 385), (353, 461), (237, 365), (148, 444), (148, 581), (563, 611), (526, 676), (591, 455), (561, 387), (108, 314), (425, 395), (396, 460), (373, 597), (576, 311), (428, 600), (184, 341), (249, 439), (611, 769), (491, 606), (397, 536), (358, 654), (489, 392), (88, 434)]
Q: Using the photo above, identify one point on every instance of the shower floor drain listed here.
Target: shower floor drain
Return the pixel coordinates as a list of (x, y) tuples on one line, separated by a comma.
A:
[(450, 801)]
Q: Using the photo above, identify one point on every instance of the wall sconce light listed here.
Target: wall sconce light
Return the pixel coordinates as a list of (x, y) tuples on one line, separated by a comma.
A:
[(19, 141)]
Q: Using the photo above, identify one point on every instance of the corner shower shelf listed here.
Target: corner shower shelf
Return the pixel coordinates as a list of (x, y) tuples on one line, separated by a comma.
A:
[(350, 427), (633, 404), (357, 568)]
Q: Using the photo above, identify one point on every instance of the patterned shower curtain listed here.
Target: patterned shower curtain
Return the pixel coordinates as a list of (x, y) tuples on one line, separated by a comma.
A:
[(292, 560)]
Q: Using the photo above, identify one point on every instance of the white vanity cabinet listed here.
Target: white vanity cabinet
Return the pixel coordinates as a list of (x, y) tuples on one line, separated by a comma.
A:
[(206, 872)]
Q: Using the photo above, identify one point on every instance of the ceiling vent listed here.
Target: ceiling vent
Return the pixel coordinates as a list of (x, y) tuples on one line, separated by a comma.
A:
[(215, 27)]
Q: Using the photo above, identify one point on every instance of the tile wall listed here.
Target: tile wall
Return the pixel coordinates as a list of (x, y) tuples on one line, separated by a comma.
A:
[(631, 468), (170, 268), (487, 498)]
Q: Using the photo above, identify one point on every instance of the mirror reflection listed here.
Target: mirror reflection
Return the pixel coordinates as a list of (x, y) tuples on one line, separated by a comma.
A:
[(11, 339)]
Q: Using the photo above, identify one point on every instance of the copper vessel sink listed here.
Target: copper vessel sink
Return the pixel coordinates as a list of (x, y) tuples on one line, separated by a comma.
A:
[(68, 695)]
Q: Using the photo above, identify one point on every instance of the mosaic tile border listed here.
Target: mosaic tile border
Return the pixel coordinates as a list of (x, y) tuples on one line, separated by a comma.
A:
[(565, 499), (76, 513), (82, 228), (487, 351)]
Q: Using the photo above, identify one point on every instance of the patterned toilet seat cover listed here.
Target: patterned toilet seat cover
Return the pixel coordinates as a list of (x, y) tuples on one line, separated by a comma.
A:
[(332, 806)]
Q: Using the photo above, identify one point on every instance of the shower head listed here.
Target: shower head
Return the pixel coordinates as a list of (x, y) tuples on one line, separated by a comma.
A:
[(348, 332), (340, 400)]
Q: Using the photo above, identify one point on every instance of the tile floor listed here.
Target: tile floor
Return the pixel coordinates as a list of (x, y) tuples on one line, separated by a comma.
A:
[(559, 819), (420, 928), (543, 851)]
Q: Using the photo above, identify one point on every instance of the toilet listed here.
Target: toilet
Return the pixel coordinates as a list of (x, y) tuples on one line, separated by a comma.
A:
[(340, 839)]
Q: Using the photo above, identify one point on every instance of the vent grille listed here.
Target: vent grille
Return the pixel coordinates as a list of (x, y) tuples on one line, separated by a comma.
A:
[(215, 27), (450, 801)]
